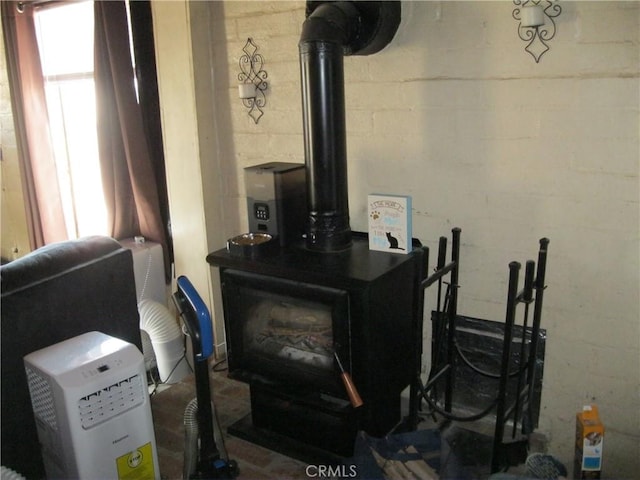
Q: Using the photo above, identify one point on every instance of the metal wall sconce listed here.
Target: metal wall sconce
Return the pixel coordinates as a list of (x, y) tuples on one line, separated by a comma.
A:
[(252, 79), (536, 24)]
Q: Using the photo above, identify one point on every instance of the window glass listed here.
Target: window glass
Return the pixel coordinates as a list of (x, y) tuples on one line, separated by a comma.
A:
[(65, 38)]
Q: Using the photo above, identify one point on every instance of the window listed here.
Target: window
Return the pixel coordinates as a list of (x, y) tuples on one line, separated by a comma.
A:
[(65, 40)]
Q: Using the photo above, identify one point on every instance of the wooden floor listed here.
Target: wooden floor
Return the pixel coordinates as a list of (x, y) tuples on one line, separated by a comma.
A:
[(231, 399), (232, 403)]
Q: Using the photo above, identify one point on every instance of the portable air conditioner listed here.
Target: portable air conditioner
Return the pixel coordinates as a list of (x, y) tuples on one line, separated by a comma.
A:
[(91, 404)]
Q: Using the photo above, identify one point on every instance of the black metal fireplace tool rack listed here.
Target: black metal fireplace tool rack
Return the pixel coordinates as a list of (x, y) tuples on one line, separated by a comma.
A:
[(518, 370)]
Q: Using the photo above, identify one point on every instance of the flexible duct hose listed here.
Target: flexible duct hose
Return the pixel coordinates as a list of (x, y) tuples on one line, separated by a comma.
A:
[(156, 319), (191, 438), (8, 474), (166, 338), (147, 350)]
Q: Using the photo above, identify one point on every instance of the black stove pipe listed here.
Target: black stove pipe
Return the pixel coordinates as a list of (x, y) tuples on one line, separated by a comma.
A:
[(332, 30), (324, 34)]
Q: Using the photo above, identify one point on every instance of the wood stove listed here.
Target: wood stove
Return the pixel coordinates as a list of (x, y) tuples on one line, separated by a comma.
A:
[(286, 313), (290, 310)]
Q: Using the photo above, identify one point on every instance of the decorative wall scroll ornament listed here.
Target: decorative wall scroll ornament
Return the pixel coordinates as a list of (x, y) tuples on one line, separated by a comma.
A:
[(252, 79), (537, 26)]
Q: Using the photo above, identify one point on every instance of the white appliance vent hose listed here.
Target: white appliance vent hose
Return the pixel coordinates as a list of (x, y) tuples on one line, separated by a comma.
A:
[(167, 340), (7, 474)]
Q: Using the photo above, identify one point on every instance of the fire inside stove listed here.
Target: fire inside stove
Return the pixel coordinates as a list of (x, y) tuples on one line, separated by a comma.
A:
[(297, 333)]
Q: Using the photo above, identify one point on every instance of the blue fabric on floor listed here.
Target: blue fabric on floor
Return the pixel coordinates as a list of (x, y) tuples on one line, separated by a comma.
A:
[(427, 442), (509, 476)]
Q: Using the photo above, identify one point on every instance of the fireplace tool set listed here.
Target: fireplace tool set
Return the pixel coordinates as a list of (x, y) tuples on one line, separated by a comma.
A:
[(517, 373), (202, 457)]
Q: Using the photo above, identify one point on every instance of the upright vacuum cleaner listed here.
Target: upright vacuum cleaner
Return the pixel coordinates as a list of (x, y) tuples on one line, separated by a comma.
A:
[(210, 463)]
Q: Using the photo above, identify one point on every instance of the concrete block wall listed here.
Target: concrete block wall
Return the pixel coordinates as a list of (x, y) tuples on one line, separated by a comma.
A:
[(455, 113)]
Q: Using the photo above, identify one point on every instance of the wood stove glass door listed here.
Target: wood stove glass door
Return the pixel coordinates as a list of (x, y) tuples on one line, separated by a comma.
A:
[(285, 331)]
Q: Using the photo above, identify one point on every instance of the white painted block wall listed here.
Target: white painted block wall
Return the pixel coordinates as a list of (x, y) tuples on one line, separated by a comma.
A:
[(455, 113)]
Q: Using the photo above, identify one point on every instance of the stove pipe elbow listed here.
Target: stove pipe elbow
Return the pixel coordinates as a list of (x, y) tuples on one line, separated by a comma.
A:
[(335, 22)]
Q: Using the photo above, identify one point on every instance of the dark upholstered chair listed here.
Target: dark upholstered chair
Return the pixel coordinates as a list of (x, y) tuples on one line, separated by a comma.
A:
[(54, 293)]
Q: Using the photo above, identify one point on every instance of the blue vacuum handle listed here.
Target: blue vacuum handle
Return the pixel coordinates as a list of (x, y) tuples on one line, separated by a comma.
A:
[(198, 319)]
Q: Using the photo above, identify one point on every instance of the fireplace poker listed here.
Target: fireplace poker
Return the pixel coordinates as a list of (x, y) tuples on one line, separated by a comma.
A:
[(354, 396)]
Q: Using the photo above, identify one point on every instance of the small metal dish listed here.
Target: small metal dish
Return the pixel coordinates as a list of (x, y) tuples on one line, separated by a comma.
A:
[(250, 245)]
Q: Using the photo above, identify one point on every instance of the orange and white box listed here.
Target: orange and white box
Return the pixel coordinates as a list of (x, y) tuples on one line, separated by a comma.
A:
[(589, 443)]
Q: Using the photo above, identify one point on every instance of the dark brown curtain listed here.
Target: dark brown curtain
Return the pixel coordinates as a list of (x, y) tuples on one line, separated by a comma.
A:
[(149, 100), (45, 217), (134, 201)]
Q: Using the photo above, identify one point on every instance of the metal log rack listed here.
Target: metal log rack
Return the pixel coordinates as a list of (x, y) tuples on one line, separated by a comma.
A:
[(517, 410)]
